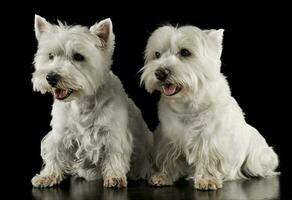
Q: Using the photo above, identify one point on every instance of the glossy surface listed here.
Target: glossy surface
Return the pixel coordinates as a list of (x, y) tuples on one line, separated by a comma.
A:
[(75, 188)]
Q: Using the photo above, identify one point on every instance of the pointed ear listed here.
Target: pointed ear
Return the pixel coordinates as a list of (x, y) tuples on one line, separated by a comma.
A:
[(40, 25), (217, 37), (103, 30)]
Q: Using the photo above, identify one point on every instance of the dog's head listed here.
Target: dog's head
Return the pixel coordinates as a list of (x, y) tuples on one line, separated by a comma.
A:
[(72, 61), (179, 61)]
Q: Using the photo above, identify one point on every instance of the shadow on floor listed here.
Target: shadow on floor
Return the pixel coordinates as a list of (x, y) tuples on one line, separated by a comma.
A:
[(78, 189)]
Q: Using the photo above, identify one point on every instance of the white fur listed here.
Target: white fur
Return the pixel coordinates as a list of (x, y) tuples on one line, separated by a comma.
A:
[(97, 131), (202, 132)]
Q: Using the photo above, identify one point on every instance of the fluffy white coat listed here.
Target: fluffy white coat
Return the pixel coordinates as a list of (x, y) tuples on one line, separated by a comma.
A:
[(97, 131), (202, 132)]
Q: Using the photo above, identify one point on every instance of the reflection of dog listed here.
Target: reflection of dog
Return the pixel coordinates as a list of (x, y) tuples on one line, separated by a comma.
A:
[(202, 132), (96, 129)]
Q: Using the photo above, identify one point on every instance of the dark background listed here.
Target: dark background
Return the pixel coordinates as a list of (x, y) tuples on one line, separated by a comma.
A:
[(254, 59)]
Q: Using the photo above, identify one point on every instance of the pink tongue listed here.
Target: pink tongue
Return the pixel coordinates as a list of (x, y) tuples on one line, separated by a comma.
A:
[(59, 93), (169, 89)]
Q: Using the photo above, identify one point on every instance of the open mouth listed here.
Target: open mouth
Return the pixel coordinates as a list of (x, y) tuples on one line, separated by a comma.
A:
[(170, 89), (62, 94)]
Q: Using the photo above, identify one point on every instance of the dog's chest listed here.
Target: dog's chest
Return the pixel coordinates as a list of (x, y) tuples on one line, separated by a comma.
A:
[(86, 130), (184, 124), (85, 119)]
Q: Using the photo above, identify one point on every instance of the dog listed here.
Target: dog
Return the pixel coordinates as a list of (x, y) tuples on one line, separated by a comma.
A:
[(97, 131), (202, 134)]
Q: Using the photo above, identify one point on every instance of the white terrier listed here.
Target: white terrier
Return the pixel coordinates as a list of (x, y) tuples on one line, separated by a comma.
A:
[(202, 132), (97, 131)]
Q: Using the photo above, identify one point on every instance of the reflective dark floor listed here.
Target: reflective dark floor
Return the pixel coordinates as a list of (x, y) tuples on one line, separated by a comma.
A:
[(75, 188)]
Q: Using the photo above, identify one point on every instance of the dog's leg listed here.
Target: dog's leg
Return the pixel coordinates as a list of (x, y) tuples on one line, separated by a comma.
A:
[(114, 170), (52, 173), (116, 162), (261, 160), (170, 171), (206, 178), (169, 162), (162, 179)]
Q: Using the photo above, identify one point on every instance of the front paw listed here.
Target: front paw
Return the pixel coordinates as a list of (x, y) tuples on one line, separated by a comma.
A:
[(208, 183), (160, 180), (114, 181), (42, 181)]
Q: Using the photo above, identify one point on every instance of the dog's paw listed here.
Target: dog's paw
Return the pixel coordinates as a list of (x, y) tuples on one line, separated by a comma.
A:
[(42, 181), (160, 180), (208, 183), (113, 181)]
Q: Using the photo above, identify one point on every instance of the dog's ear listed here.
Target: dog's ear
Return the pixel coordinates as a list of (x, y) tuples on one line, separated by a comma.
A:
[(217, 37), (215, 34), (104, 31), (40, 25)]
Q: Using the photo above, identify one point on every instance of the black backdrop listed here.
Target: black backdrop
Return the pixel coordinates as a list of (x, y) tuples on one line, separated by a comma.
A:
[(253, 60)]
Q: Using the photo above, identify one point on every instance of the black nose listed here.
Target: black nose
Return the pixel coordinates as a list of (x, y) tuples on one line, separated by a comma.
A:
[(53, 78), (162, 74)]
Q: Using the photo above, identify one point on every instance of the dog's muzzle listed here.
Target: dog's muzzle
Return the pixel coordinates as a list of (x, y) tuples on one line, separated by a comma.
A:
[(59, 93), (62, 94), (162, 74), (170, 89), (53, 78), (167, 88)]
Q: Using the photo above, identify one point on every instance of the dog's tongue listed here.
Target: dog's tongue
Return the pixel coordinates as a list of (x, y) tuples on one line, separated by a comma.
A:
[(60, 93), (169, 89)]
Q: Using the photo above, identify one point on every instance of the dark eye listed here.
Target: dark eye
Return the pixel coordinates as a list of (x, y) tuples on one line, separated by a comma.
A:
[(157, 54), (51, 56), (78, 57), (184, 53)]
